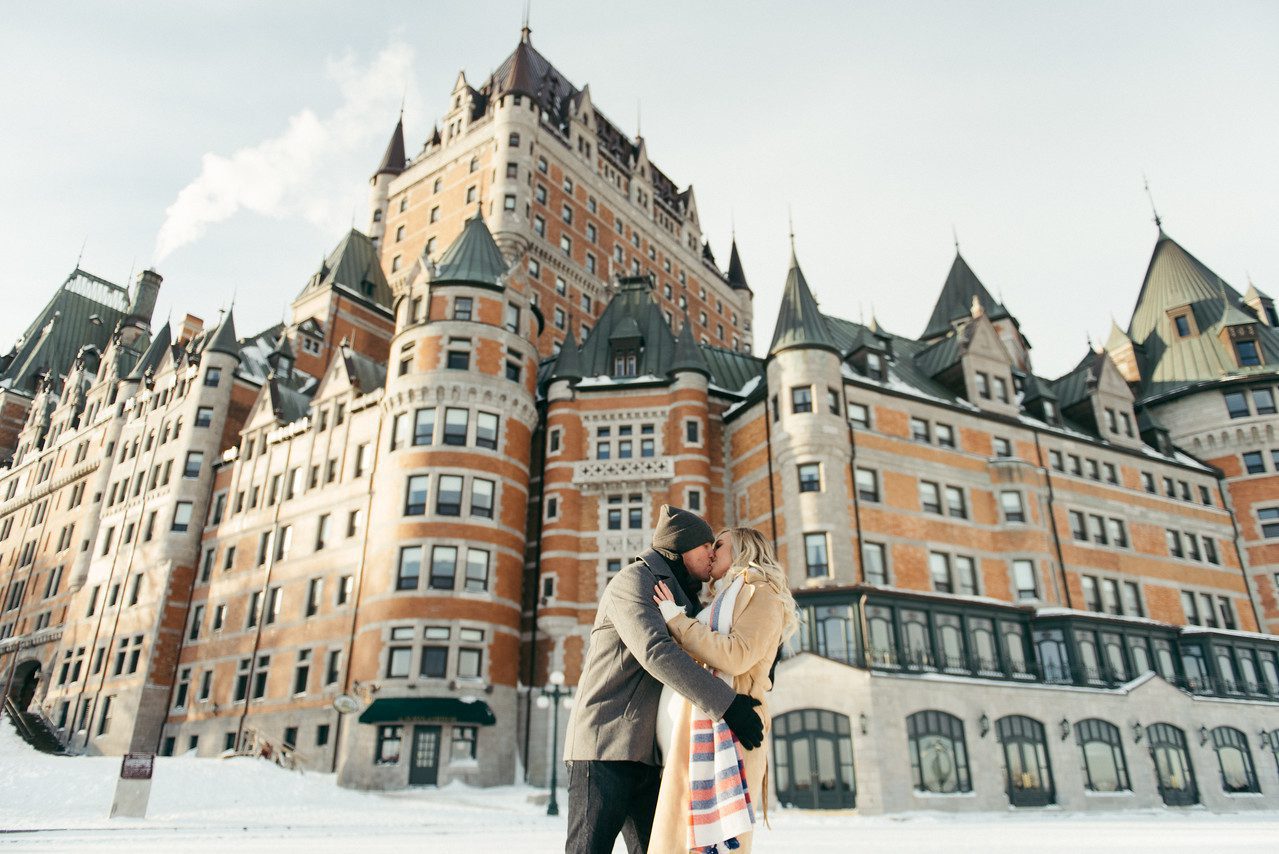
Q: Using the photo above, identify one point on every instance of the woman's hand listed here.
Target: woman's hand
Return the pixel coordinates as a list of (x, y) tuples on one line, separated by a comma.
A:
[(662, 593)]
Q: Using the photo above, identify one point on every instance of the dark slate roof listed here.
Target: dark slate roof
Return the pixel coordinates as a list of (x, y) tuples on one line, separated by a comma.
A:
[(150, 360), (688, 356), (1073, 387), (353, 266), (799, 322), (223, 339), (65, 324), (472, 259), (568, 364), (941, 354), (1169, 362), (393, 160), (956, 299), (287, 403), (1037, 389), (731, 370), (632, 307), (366, 374), (903, 368), (736, 275)]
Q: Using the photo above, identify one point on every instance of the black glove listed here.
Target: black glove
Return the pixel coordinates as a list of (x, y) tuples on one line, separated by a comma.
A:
[(744, 721)]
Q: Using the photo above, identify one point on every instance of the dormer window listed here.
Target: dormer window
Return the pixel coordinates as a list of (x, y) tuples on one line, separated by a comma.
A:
[(874, 366), (1246, 353), (625, 362), (983, 385), (1050, 411), (1183, 326)]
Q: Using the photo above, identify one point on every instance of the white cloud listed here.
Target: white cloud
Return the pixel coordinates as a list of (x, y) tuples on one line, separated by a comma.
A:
[(302, 172)]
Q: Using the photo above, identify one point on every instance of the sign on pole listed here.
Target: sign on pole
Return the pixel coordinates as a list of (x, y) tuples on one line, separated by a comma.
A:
[(133, 789)]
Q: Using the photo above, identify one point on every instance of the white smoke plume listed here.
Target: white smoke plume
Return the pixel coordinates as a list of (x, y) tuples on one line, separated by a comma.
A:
[(300, 172)]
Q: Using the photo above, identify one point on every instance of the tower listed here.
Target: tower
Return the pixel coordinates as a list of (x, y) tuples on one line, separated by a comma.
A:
[(392, 164)]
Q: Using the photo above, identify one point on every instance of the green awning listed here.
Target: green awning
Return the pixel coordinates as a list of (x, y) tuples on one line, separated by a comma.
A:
[(448, 709)]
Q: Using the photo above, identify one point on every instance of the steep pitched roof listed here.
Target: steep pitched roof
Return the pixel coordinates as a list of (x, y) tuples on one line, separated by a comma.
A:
[(567, 364), (84, 310), (223, 339), (472, 259), (1169, 361), (799, 322), (687, 355), (1072, 387), (366, 374), (154, 354), (736, 275), (632, 312), (353, 266), (288, 403), (731, 370), (956, 299), (393, 160)]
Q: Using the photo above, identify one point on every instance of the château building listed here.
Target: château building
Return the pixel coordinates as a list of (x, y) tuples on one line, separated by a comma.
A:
[(360, 540)]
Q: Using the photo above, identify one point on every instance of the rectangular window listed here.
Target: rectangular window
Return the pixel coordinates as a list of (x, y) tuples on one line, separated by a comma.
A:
[(859, 414), (1055, 460), (801, 398), (966, 575), (1263, 400), (1025, 583), (874, 563), (448, 500), (919, 430), (929, 497), (482, 497), (424, 426), (1118, 532), (983, 385), (443, 567), (477, 570), (410, 568), (956, 504), (434, 664), (815, 555), (945, 435), (1011, 503), (1097, 526), (1092, 594), (464, 741), (1131, 594), (485, 430), (693, 431), (867, 481), (455, 426), (1268, 517), (197, 620), (398, 659), (810, 477), (181, 516), (1174, 543), (1078, 526), (470, 663), (389, 739), (1003, 447), (1254, 462), (415, 495), (939, 570), (1237, 404)]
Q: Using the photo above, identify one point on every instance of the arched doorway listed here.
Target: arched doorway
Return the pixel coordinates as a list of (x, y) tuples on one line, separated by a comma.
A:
[(1172, 763), (813, 760), (26, 678), (1028, 778)]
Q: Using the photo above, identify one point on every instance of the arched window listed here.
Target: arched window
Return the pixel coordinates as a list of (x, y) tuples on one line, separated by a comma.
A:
[(1105, 768), (1172, 764), (1235, 760), (1029, 777), (813, 759), (938, 754)]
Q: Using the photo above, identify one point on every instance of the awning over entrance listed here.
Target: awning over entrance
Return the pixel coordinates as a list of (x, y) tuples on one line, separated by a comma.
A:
[(448, 709)]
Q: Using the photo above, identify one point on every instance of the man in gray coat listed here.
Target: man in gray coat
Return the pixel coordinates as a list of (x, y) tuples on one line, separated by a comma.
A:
[(614, 771)]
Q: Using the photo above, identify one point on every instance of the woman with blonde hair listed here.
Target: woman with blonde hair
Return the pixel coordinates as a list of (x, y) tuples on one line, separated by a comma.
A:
[(712, 790)]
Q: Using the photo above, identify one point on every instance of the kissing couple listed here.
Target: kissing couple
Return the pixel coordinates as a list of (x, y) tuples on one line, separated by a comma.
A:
[(666, 739)]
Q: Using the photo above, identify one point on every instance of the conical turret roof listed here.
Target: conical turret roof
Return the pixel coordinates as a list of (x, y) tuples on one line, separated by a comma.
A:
[(955, 302), (224, 340), (154, 353), (688, 356), (472, 259), (799, 321), (568, 365), (393, 160), (736, 275)]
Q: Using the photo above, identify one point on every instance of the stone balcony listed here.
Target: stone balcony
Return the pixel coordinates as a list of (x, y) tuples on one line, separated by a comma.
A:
[(597, 475)]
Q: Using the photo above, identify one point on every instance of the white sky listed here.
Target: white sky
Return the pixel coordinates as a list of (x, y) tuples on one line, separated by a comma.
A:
[(1025, 126)]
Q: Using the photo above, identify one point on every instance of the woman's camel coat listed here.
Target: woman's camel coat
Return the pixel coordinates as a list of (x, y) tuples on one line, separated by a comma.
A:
[(746, 654)]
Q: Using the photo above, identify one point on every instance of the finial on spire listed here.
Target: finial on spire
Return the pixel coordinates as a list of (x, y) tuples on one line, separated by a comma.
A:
[(954, 233), (790, 222), (732, 224), (525, 30), (1159, 223), (80, 257), (639, 124)]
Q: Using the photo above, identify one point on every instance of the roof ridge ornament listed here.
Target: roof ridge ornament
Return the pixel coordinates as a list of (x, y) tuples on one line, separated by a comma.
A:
[(1159, 223)]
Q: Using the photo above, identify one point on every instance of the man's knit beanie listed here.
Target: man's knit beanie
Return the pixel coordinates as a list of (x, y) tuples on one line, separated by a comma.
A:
[(680, 530)]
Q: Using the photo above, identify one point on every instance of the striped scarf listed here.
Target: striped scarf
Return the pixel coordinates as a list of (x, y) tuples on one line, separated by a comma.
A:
[(719, 804)]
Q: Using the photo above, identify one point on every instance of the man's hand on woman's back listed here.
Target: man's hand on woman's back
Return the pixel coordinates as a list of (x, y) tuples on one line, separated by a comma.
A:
[(744, 721)]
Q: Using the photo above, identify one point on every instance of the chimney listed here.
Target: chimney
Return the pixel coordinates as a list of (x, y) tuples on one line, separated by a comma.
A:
[(148, 288), (191, 327)]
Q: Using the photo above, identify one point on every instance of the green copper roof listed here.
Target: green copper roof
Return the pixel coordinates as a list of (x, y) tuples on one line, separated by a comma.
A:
[(1169, 361), (631, 310), (956, 299), (799, 322), (568, 363), (353, 266), (84, 310), (687, 355), (472, 259)]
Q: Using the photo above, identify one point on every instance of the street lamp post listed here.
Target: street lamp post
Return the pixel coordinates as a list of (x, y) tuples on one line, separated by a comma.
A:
[(551, 697)]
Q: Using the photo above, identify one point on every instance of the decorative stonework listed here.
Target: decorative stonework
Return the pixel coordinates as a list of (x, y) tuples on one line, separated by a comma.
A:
[(600, 475)]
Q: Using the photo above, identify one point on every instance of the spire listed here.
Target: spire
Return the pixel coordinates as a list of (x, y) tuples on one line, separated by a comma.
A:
[(473, 258), (736, 275), (955, 302), (224, 340), (799, 321), (688, 356), (1159, 223), (568, 363), (526, 32), (393, 160)]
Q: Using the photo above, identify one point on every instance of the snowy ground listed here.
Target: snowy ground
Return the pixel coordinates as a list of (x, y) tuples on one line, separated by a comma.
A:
[(208, 805)]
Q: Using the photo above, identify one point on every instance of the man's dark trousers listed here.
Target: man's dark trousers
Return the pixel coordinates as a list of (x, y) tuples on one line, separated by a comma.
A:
[(605, 797)]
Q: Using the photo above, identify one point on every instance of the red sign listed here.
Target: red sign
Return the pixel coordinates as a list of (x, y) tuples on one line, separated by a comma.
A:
[(137, 766)]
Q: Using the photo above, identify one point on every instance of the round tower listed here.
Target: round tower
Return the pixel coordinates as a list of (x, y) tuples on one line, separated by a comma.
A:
[(380, 184), (440, 599), (810, 447)]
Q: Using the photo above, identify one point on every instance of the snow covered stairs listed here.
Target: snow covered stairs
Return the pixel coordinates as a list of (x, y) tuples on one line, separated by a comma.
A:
[(33, 729)]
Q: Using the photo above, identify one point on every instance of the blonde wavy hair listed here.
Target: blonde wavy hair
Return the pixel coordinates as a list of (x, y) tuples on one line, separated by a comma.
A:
[(752, 551)]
